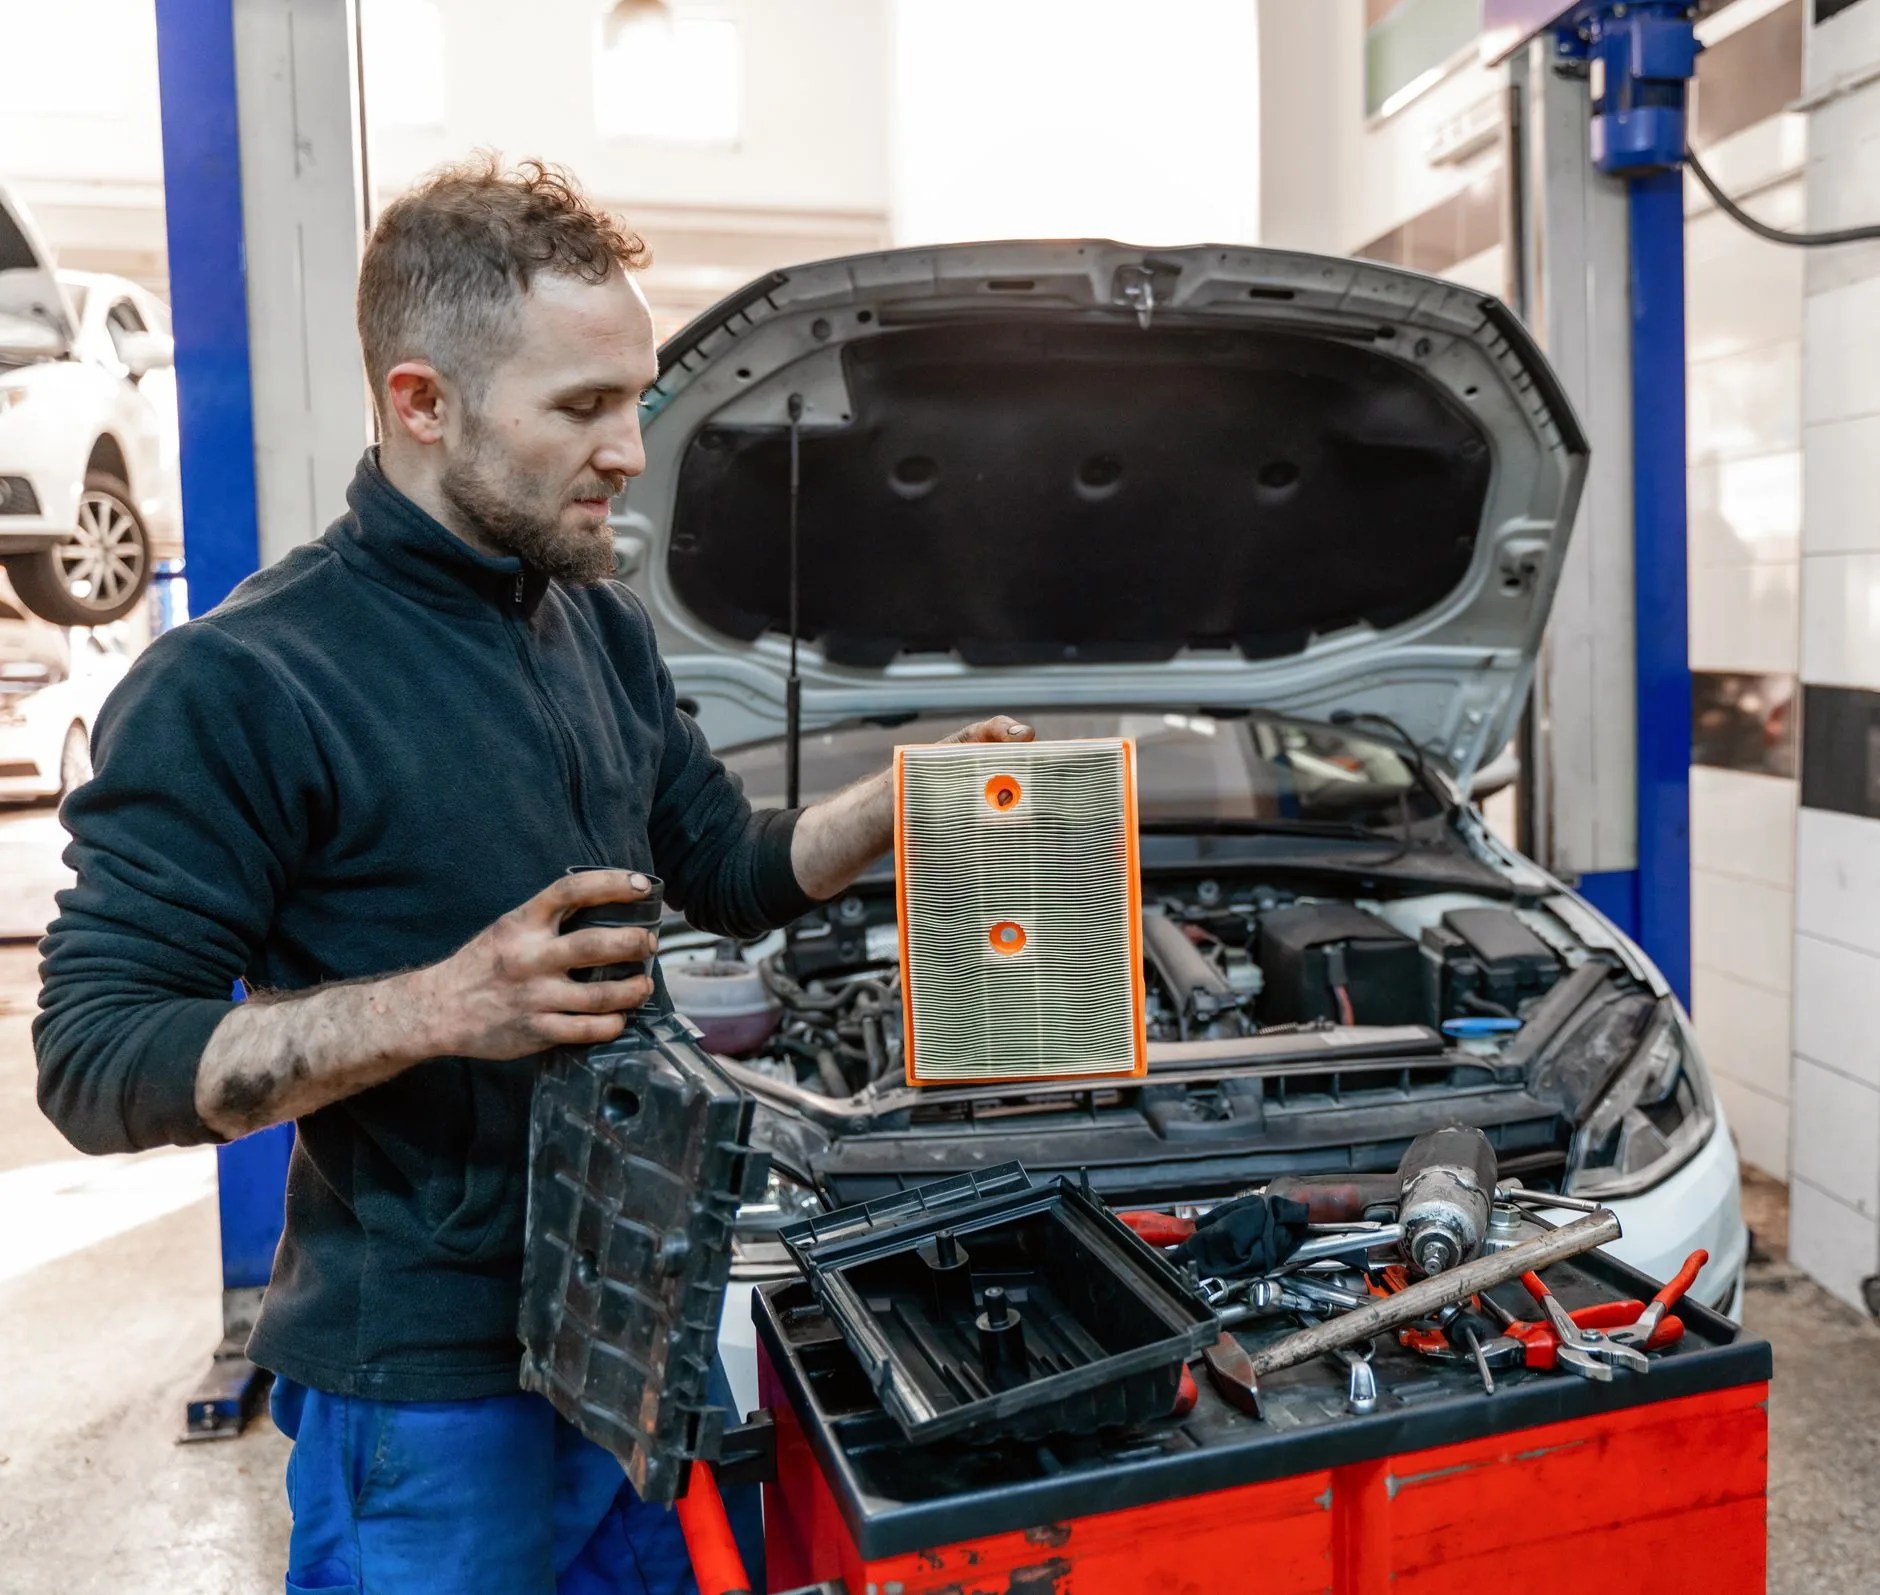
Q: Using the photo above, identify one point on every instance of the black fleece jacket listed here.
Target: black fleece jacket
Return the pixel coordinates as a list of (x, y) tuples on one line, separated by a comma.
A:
[(371, 751)]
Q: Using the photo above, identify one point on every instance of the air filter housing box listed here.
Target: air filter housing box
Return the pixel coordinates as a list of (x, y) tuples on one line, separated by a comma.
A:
[(1019, 896)]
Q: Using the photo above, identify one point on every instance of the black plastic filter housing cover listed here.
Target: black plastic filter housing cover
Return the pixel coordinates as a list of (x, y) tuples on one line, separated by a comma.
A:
[(1107, 1322), (638, 1161)]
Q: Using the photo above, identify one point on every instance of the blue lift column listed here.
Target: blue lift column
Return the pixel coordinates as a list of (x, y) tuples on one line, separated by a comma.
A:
[(209, 301), (1640, 58)]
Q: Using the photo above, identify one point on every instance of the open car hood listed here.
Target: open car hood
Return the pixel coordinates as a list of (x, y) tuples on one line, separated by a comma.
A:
[(1061, 473), (36, 319)]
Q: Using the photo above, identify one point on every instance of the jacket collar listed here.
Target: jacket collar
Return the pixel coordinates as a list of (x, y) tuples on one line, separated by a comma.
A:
[(387, 536)]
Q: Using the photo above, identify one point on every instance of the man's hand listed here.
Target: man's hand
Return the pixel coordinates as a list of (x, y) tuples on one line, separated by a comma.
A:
[(840, 837), (506, 994), (1000, 728)]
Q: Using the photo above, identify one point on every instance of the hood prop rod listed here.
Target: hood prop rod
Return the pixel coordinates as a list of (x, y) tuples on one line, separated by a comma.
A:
[(793, 686)]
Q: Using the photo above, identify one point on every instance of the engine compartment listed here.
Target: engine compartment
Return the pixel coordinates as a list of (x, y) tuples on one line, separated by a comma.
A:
[(819, 1006)]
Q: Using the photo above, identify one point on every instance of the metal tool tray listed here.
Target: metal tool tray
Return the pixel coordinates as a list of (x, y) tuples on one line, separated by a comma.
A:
[(638, 1161), (897, 1498), (1107, 1321)]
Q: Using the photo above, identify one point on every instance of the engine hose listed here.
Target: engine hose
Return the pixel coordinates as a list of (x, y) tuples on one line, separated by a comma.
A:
[(834, 1081), (877, 1044)]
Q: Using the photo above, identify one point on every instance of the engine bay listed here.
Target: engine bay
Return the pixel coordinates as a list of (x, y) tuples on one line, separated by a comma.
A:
[(819, 1006)]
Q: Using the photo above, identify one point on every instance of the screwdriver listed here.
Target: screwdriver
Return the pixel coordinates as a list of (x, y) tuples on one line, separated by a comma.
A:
[(1469, 1329)]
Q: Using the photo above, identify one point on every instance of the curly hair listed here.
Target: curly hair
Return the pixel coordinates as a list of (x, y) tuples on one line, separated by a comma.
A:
[(450, 261)]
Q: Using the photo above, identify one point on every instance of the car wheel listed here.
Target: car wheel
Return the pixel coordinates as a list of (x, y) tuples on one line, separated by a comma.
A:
[(98, 573), (74, 759)]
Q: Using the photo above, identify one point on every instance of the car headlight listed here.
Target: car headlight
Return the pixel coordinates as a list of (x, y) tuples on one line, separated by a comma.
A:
[(756, 1253), (1651, 1120)]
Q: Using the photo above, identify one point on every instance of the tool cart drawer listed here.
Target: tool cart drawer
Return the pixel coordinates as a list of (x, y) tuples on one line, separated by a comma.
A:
[(1552, 1483)]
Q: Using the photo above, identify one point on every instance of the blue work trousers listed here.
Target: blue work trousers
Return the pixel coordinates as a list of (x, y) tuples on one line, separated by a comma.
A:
[(499, 1495)]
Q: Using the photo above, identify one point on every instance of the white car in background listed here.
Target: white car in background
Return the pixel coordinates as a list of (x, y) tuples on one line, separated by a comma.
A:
[(53, 681), (90, 494)]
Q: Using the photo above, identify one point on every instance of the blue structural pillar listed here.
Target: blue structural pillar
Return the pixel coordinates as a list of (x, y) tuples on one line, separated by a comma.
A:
[(209, 309), (1660, 589), (1640, 58)]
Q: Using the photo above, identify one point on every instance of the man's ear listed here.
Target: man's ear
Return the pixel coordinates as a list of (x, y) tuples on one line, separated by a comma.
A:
[(416, 400)]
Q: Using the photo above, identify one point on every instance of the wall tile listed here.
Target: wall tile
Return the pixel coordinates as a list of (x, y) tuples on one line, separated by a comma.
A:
[(1841, 468), (1831, 1241), (1743, 825), (1745, 403), (1743, 617), (1749, 296), (1836, 1135), (1760, 1125), (1840, 763), (1842, 329), (1747, 722), (1744, 1029), (1747, 511), (1840, 643), (1837, 1007), (1847, 40), (1837, 878), (1747, 928)]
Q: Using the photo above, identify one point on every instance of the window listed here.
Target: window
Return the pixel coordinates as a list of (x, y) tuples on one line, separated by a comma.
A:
[(401, 62), (121, 319), (671, 72), (1410, 44)]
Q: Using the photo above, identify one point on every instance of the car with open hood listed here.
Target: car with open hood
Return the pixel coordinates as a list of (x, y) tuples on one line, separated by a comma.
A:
[(1291, 523), (90, 491)]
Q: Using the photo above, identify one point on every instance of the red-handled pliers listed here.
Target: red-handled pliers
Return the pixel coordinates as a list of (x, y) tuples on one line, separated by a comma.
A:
[(1647, 1331), (1158, 1229)]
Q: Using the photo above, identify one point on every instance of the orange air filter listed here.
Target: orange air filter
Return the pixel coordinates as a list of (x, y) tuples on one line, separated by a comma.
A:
[(1020, 906)]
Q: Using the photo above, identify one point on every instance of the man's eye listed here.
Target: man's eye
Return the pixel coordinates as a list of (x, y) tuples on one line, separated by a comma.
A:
[(585, 411)]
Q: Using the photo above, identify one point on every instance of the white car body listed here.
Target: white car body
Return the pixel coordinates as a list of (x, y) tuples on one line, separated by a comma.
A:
[(53, 681), (986, 412), (99, 395)]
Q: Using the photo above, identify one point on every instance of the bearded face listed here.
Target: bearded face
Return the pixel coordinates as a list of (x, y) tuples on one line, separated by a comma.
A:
[(530, 509)]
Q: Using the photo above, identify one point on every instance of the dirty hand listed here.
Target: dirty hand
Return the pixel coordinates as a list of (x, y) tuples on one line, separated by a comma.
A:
[(1000, 728), (508, 992)]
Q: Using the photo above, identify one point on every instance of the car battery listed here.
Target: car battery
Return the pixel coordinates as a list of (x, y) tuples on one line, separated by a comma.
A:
[(1648, 1482), (1335, 961)]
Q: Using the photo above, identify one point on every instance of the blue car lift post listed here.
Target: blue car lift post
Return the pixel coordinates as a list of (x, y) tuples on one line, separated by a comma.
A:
[(209, 300), (1639, 59)]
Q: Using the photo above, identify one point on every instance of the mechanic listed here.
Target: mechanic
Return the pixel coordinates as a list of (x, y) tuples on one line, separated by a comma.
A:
[(356, 788)]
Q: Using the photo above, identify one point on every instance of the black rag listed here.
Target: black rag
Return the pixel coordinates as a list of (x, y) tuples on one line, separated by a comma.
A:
[(1247, 1236)]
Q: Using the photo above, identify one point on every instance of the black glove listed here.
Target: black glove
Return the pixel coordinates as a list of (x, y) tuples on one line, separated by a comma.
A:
[(1250, 1235)]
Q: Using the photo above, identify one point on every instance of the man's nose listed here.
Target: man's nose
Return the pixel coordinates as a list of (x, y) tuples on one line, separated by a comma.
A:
[(623, 453)]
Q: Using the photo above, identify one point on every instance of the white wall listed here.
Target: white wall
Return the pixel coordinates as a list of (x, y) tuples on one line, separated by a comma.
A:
[(80, 136), (1075, 118), (814, 111), (1834, 1215), (1744, 352)]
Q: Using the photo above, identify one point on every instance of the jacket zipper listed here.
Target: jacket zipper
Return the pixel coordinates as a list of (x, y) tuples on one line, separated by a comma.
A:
[(570, 751)]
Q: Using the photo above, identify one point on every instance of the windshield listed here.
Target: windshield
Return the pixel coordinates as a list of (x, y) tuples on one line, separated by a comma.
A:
[(1195, 769)]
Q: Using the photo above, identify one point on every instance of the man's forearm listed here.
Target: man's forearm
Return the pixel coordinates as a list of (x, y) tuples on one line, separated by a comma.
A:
[(838, 838), (273, 1059)]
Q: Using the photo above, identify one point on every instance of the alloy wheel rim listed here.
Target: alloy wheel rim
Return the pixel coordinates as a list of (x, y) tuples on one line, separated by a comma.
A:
[(104, 562), (75, 764)]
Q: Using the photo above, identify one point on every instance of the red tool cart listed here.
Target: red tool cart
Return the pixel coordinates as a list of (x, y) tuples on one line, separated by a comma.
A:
[(1649, 1482)]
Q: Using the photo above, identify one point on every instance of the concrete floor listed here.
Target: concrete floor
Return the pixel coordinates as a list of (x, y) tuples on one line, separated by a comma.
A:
[(108, 1310)]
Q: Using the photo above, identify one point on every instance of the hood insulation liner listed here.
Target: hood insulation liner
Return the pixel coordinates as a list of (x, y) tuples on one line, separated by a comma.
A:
[(1022, 493)]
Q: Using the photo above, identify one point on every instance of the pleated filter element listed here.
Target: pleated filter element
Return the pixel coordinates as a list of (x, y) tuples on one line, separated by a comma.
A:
[(1019, 888)]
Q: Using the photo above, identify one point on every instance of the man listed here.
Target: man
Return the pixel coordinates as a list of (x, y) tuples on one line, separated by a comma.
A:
[(356, 787)]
